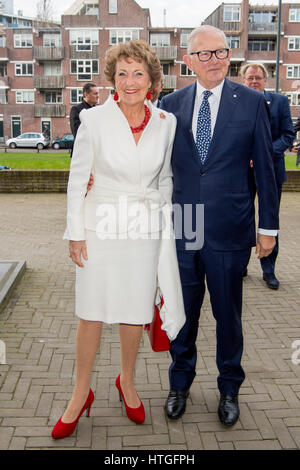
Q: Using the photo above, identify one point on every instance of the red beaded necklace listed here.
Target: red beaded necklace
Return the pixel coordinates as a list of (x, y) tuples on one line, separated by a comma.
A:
[(142, 126)]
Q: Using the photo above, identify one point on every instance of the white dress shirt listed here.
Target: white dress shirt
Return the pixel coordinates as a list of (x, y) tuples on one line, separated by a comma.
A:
[(214, 103)]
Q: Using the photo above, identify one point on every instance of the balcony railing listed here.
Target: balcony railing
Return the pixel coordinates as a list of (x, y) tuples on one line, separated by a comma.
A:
[(48, 53), (166, 53), (5, 81), (263, 28), (170, 82), (49, 82), (49, 110), (238, 54)]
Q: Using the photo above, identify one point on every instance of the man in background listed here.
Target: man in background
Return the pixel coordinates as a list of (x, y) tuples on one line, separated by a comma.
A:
[(296, 146), (282, 130), (90, 99)]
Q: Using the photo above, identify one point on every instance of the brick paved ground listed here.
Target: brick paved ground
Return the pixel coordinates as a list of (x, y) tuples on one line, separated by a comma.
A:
[(39, 329)]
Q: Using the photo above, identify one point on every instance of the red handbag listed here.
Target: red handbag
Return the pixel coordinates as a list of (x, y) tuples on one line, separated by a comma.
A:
[(158, 338)]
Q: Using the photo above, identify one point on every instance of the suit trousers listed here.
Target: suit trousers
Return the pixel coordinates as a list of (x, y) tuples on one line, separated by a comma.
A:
[(223, 273)]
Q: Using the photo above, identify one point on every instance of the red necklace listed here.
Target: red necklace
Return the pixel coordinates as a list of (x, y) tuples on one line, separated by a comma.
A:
[(142, 126)]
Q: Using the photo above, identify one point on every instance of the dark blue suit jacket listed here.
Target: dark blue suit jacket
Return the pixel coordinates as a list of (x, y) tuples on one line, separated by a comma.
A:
[(282, 131), (242, 133)]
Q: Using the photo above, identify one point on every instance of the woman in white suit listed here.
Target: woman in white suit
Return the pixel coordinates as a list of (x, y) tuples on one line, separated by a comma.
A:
[(115, 231)]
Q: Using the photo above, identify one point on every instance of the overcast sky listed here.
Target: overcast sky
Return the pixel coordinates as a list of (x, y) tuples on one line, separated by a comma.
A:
[(188, 13)]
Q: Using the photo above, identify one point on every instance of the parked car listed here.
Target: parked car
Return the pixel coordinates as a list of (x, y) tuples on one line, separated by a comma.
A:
[(29, 139), (66, 142)]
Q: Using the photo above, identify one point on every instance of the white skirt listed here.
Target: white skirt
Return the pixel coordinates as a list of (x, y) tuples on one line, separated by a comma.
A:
[(119, 280)]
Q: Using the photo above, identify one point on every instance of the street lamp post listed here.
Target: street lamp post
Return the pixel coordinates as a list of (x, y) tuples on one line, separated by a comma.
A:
[(278, 46)]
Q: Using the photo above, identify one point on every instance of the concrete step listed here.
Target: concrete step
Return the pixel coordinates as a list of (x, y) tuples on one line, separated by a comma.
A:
[(10, 274)]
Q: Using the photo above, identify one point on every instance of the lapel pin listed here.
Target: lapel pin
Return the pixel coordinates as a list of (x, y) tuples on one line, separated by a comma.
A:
[(162, 115)]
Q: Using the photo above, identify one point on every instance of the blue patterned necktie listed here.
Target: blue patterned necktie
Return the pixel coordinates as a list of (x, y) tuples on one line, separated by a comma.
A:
[(203, 134)]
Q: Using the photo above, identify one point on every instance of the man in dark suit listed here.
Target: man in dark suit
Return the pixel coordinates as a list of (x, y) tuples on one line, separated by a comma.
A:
[(221, 126), (90, 99), (255, 76)]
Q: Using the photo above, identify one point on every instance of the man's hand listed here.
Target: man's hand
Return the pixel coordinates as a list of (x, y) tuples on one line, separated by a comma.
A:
[(77, 250), (264, 245), (90, 183), (295, 149)]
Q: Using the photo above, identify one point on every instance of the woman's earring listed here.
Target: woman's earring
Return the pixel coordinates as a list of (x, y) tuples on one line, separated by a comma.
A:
[(116, 96), (148, 96)]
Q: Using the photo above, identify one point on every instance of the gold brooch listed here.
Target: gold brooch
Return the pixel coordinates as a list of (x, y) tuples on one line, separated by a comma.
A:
[(162, 115)]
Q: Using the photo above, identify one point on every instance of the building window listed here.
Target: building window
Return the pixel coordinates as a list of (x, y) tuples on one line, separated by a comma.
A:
[(24, 69), (160, 40), (113, 6), (3, 70), (232, 13), (2, 41), (185, 71), (122, 35), (76, 95), (84, 40), (25, 97), (263, 17), (3, 96), (293, 71), (234, 70), (294, 98), (52, 40), (294, 43), (294, 15), (85, 69), (234, 42), (52, 69), (261, 45), (90, 9), (22, 40), (53, 97), (271, 69), (184, 37), (165, 69)]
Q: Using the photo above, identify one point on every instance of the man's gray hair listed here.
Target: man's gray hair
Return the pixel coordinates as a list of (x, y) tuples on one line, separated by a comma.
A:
[(257, 65), (205, 28)]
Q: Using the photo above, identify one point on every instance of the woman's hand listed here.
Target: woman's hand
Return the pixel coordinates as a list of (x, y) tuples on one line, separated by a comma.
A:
[(78, 249), (90, 183)]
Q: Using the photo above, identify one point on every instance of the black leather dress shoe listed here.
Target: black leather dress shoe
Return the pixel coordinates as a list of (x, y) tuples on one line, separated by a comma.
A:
[(271, 281), (176, 402), (228, 409)]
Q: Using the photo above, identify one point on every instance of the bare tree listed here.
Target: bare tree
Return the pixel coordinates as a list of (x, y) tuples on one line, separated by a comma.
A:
[(44, 10)]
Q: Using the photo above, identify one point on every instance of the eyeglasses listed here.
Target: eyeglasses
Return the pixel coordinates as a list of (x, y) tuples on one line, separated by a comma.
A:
[(205, 56), (256, 78)]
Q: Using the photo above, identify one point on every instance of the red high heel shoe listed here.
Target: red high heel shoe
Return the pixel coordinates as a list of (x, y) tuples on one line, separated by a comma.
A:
[(135, 414), (62, 429)]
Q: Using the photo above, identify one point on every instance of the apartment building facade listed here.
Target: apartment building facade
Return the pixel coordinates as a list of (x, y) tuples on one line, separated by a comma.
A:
[(43, 66), (251, 31)]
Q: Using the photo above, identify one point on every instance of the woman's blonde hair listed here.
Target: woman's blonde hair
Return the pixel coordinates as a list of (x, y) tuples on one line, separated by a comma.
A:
[(138, 50)]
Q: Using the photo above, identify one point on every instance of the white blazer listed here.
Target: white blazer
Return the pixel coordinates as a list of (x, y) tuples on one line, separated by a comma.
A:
[(104, 144), (125, 171)]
